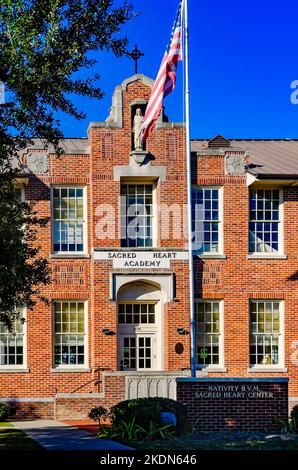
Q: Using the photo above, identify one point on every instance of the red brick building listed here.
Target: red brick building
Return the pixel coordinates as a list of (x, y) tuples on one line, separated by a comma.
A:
[(117, 246)]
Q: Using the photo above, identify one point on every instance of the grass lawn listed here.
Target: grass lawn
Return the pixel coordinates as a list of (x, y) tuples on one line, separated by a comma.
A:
[(191, 443), (13, 439)]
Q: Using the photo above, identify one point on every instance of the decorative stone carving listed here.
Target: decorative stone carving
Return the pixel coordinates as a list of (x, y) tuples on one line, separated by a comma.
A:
[(38, 162), (141, 157), (235, 164)]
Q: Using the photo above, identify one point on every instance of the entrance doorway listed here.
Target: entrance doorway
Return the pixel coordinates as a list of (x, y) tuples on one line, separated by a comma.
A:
[(139, 328)]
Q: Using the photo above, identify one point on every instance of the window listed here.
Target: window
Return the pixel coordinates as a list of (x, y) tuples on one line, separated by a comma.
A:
[(12, 344), (264, 221), (69, 219), (265, 333), (208, 333), (137, 215), (69, 333), (136, 314), (206, 220)]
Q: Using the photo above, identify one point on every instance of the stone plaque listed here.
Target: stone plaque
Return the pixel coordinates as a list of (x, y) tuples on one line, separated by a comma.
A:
[(235, 165), (38, 162), (141, 259)]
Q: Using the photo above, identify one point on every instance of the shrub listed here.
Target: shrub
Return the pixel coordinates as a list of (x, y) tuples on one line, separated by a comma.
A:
[(145, 412), (294, 414), (97, 413), (4, 411), (130, 431)]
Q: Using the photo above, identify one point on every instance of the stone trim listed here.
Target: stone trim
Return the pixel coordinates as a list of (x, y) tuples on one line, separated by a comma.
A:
[(70, 371), (78, 396), (265, 370), (137, 171), (233, 379), (266, 257), (27, 400)]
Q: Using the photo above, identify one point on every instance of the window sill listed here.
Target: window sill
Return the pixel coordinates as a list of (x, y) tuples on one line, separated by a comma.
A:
[(269, 370), (212, 369), (14, 370), (267, 256), (69, 255), (70, 370), (210, 256)]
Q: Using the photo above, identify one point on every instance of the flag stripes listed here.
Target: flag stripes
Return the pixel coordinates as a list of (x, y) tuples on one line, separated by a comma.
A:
[(166, 77)]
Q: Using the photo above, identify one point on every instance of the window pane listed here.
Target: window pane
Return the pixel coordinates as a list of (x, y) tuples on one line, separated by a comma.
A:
[(136, 215), (208, 332), (69, 335), (68, 219), (263, 236), (11, 344), (142, 313), (264, 332), (205, 220)]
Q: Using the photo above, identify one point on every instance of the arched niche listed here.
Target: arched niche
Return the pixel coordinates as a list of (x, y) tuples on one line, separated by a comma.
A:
[(139, 291)]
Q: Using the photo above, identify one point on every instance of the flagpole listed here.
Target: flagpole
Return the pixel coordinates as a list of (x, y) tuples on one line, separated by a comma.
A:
[(189, 191)]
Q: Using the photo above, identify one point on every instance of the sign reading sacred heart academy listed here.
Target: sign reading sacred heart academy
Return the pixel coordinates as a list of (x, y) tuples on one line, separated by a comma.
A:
[(142, 259)]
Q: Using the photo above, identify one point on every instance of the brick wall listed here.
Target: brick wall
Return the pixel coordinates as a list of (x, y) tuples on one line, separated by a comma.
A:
[(242, 405)]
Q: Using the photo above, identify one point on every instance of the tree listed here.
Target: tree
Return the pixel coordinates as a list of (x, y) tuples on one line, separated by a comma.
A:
[(22, 272), (44, 44)]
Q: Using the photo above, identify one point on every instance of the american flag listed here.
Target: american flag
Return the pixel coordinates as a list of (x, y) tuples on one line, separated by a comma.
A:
[(166, 77)]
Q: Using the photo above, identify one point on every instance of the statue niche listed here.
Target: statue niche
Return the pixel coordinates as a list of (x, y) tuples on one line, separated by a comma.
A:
[(137, 130)]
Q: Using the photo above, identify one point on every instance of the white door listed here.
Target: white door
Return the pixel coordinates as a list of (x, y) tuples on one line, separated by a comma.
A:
[(137, 351)]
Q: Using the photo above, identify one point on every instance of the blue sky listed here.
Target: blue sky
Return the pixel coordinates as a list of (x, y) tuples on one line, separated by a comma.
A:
[(243, 58)]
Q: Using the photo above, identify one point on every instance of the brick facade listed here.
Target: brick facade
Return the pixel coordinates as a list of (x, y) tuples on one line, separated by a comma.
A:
[(233, 278)]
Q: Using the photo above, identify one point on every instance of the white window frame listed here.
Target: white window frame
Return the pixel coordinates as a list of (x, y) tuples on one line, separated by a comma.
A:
[(154, 218), (70, 367), (280, 221), (221, 364), (220, 190), (16, 367), (281, 342), (85, 222)]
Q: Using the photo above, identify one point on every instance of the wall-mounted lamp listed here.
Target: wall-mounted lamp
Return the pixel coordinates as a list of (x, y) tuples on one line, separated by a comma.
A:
[(107, 332), (181, 331)]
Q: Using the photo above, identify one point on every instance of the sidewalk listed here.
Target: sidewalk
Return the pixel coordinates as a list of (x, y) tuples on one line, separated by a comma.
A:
[(54, 435)]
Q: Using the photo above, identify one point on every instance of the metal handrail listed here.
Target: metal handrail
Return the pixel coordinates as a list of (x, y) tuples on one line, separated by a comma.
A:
[(97, 380)]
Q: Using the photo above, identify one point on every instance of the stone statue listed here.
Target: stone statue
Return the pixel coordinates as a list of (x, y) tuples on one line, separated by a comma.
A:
[(137, 128)]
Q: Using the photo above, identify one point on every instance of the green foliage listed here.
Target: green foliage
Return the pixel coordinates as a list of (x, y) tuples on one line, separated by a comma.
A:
[(294, 414), (96, 414), (153, 431), (289, 425), (21, 270), (108, 432), (44, 46), (4, 411), (130, 431), (44, 43), (147, 410)]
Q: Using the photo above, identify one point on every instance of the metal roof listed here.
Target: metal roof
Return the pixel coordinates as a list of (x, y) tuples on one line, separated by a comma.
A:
[(266, 157), (72, 146)]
